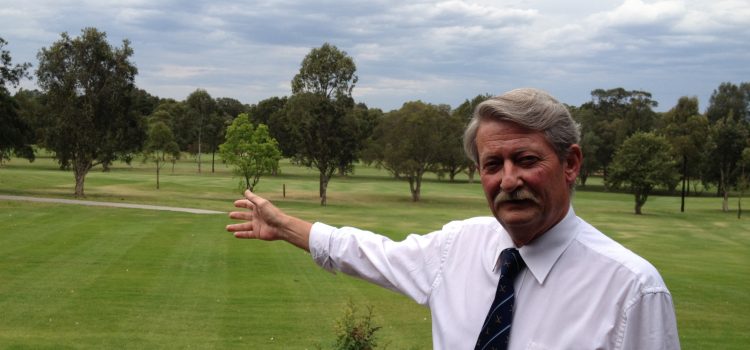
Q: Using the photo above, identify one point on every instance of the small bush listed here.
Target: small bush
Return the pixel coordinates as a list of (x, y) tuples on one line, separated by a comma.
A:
[(354, 332)]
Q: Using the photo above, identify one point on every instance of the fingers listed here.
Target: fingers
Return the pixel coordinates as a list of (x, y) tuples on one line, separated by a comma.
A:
[(245, 229), (241, 215), (243, 203), (245, 226), (245, 234), (252, 197)]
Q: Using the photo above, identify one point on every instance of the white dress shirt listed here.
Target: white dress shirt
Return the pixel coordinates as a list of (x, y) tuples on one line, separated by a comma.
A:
[(580, 290)]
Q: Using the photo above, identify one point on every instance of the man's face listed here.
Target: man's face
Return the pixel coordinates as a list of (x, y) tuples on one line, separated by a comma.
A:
[(526, 184)]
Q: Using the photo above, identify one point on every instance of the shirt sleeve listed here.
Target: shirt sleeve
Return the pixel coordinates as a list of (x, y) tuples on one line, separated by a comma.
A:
[(650, 323), (409, 267)]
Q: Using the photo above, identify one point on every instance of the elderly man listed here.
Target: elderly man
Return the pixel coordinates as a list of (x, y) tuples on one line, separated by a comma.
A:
[(534, 276)]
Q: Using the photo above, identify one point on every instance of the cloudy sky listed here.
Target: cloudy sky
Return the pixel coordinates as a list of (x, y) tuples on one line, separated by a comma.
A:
[(437, 51)]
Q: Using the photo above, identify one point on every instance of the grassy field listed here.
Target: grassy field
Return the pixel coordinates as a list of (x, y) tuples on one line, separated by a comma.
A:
[(90, 277)]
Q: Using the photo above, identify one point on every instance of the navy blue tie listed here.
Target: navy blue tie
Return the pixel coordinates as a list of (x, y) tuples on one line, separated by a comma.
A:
[(496, 329)]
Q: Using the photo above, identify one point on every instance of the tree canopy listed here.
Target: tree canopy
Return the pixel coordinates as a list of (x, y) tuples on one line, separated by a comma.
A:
[(160, 146), (328, 71), (412, 141), (729, 98), (16, 136), (687, 132), (89, 87), (728, 137), (202, 109), (251, 150), (612, 116), (642, 163), (317, 117), (324, 134)]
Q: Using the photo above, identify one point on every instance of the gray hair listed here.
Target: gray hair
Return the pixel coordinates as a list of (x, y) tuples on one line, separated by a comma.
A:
[(530, 108)]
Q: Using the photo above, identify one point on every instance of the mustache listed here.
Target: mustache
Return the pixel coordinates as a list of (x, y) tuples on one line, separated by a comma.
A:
[(517, 195)]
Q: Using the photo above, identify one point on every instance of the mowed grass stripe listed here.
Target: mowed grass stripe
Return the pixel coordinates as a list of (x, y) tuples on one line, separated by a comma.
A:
[(275, 297), (138, 279), (702, 254)]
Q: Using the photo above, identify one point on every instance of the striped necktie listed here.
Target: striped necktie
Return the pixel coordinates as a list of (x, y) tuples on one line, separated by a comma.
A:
[(496, 329)]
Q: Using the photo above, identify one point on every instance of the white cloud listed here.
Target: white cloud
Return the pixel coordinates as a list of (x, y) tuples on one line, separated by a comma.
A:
[(639, 13), (170, 71), (434, 50)]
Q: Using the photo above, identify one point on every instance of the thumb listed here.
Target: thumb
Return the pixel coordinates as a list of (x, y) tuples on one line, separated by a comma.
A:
[(253, 198)]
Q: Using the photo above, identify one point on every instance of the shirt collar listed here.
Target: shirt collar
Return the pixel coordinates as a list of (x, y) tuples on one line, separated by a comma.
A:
[(545, 250)]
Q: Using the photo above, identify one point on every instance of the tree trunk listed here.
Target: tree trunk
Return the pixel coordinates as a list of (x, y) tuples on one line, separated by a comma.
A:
[(213, 159), (638, 206), (724, 192), (415, 186), (81, 168), (584, 176), (200, 131), (157, 173), (684, 180), (725, 202), (412, 190), (324, 178), (471, 171), (640, 200), (739, 206)]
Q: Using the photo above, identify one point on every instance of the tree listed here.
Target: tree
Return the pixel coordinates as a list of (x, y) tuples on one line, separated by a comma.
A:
[(590, 142), (727, 139), (177, 116), (642, 162), (453, 160), (687, 132), (251, 150), (271, 112), (143, 102), (201, 107), (16, 136), (457, 159), (89, 88), (230, 107), (160, 145), (324, 134), (326, 71), (32, 105), (612, 116), (743, 182), (324, 131), (729, 98), (9, 73), (410, 142), (215, 128)]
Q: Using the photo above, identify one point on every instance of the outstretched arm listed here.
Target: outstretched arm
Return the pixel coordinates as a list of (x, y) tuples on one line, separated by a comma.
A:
[(266, 222)]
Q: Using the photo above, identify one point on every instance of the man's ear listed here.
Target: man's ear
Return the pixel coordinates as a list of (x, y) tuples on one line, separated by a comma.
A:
[(572, 164)]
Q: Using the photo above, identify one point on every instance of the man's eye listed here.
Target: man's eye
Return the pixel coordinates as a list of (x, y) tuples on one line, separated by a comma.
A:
[(528, 160), (490, 166)]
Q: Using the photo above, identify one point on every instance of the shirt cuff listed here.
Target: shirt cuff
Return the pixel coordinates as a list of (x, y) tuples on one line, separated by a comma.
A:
[(320, 245)]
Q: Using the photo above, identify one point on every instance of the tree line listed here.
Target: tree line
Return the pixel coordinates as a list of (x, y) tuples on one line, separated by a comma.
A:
[(88, 112)]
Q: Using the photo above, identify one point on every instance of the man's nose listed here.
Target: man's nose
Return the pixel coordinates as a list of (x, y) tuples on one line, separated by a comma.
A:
[(510, 180)]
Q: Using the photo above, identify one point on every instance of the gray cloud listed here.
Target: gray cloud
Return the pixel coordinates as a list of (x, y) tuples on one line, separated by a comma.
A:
[(439, 51)]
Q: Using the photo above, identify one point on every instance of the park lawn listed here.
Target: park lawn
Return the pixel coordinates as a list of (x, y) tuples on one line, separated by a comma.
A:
[(90, 277), (86, 277)]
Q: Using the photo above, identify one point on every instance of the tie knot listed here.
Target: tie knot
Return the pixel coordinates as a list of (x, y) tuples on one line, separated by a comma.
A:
[(512, 263)]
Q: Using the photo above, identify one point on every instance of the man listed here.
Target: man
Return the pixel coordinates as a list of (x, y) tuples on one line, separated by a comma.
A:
[(562, 283)]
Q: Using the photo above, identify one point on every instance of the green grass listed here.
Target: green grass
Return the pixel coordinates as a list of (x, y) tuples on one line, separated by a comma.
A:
[(90, 277)]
